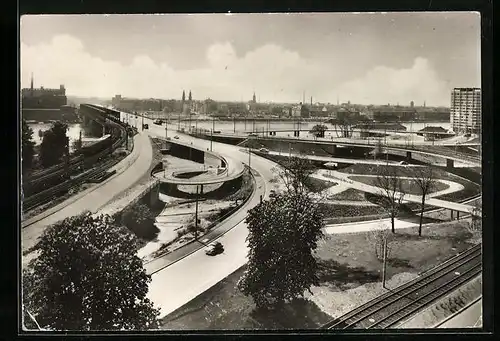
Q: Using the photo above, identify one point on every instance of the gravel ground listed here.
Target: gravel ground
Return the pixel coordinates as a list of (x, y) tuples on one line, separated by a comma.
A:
[(446, 306)]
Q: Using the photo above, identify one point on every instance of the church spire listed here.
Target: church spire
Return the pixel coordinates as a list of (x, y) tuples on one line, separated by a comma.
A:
[(183, 96), (190, 98), (32, 81), (253, 98)]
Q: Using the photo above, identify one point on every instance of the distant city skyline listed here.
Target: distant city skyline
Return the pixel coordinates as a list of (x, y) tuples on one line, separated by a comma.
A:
[(362, 58)]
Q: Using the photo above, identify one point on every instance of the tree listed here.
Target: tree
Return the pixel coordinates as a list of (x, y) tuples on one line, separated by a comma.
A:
[(475, 225), (318, 130), (54, 145), (140, 219), (391, 189), (283, 234), (27, 146), (295, 173), (88, 277), (377, 238), (425, 178)]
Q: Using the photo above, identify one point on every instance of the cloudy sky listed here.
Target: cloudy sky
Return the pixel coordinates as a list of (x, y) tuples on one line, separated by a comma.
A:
[(365, 58)]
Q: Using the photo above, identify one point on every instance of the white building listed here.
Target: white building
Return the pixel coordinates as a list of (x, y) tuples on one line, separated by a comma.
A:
[(465, 110)]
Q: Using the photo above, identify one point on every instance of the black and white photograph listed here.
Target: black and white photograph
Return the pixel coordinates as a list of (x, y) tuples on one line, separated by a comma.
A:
[(251, 172)]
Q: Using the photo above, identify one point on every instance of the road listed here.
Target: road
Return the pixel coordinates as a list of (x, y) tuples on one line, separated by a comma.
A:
[(470, 317), (96, 197), (180, 282), (398, 145)]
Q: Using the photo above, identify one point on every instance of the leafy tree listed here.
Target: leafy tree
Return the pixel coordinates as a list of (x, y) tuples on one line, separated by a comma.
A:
[(54, 145), (283, 234), (27, 146), (318, 130), (391, 189), (425, 178), (88, 277), (140, 220)]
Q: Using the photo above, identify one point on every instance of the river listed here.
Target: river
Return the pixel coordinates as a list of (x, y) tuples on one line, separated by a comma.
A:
[(260, 125)]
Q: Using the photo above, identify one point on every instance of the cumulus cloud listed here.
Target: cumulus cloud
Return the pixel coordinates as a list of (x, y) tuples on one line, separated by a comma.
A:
[(275, 74), (383, 85)]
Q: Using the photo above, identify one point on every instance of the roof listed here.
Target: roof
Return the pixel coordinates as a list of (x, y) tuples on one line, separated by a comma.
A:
[(433, 129)]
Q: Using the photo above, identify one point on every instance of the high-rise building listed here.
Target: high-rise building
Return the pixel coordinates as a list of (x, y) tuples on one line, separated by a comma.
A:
[(465, 110)]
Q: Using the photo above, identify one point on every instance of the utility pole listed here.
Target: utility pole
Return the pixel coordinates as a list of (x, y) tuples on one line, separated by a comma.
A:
[(142, 123), (234, 125), (211, 138), (249, 169), (385, 262)]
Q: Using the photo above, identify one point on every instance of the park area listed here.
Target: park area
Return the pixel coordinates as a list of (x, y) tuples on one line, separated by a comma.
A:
[(349, 275)]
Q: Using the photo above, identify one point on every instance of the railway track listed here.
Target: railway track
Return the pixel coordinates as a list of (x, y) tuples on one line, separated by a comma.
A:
[(394, 306), (45, 196), (48, 194)]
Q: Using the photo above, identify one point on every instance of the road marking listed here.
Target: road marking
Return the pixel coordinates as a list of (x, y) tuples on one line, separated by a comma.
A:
[(206, 240)]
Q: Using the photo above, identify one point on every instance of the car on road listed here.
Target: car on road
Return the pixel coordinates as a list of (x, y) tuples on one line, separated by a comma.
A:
[(158, 122), (264, 150), (176, 137), (168, 138), (145, 126), (253, 135), (404, 163), (272, 194), (214, 249)]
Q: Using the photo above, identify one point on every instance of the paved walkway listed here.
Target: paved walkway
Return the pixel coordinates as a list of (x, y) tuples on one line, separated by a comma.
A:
[(132, 168), (408, 197)]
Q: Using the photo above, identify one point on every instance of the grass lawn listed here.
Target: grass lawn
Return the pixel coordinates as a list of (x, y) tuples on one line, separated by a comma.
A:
[(334, 210), (350, 194), (349, 275), (410, 186), (470, 188)]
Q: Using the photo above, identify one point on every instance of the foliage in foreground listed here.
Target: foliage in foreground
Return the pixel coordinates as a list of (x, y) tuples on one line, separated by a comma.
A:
[(27, 146), (141, 220), (88, 277), (55, 144), (283, 234)]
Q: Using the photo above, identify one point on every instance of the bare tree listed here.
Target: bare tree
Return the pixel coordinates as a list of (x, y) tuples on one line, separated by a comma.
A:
[(391, 190), (425, 178), (475, 226), (294, 173), (377, 238)]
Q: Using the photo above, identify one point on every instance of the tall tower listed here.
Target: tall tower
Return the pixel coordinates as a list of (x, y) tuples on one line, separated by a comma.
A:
[(254, 99), (466, 118), (183, 96), (190, 98), (32, 81)]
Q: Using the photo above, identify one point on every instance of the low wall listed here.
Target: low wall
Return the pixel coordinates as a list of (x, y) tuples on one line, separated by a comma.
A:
[(148, 196)]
